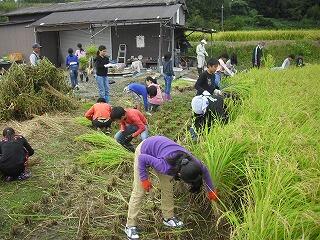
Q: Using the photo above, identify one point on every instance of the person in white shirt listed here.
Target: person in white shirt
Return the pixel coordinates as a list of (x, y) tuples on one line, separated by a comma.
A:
[(35, 55), (221, 69), (80, 53), (136, 65), (232, 63), (286, 63), (201, 55)]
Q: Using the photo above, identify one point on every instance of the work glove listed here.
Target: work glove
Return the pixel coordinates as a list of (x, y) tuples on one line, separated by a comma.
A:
[(146, 184), (128, 138), (213, 195), (217, 92)]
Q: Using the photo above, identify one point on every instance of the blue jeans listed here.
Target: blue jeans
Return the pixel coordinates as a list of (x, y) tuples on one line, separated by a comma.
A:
[(103, 86), (73, 77), (130, 129), (215, 81), (168, 81)]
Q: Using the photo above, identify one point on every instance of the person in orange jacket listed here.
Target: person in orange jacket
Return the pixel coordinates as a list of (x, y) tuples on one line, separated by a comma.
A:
[(99, 114), (132, 123)]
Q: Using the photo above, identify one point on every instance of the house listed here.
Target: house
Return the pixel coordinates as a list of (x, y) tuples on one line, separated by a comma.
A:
[(147, 27)]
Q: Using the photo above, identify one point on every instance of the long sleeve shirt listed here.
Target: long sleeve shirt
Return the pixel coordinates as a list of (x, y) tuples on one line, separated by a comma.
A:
[(101, 68), (99, 111), (140, 90), (136, 118), (286, 63), (256, 56), (34, 59), (201, 50), (72, 61), (14, 152), (168, 68), (154, 152), (158, 99), (223, 68), (203, 81)]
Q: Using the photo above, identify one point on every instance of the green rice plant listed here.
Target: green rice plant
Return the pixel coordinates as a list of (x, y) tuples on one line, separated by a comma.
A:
[(107, 153), (182, 84), (232, 36), (91, 50), (83, 121), (269, 61), (265, 161)]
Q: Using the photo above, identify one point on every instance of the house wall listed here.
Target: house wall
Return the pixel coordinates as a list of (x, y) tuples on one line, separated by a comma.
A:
[(70, 39), (16, 38), (127, 35)]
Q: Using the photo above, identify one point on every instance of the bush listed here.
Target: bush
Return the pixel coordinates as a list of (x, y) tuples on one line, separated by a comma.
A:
[(26, 90)]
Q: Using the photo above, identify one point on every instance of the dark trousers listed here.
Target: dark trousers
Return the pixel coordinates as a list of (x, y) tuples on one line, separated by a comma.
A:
[(101, 123)]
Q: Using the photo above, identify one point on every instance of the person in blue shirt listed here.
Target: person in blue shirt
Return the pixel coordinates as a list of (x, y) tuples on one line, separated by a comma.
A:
[(139, 93), (72, 63)]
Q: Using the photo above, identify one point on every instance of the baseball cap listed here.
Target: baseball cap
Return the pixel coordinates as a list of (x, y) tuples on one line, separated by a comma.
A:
[(36, 45), (204, 41)]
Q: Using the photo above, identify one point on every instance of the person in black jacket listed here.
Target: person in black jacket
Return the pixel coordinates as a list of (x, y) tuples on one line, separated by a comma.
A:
[(14, 150), (257, 55), (206, 81), (101, 65), (207, 109)]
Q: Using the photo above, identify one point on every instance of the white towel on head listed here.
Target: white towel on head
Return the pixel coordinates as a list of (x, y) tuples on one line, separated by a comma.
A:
[(199, 104)]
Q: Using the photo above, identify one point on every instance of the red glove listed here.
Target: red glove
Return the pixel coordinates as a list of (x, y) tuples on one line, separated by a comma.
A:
[(146, 184), (213, 195)]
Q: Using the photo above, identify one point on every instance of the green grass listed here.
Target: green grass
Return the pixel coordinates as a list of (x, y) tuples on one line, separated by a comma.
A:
[(235, 36), (310, 50), (265, 161)]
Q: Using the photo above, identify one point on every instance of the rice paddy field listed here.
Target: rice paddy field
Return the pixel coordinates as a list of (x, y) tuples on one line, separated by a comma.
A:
[(235, 36), (265, 163)]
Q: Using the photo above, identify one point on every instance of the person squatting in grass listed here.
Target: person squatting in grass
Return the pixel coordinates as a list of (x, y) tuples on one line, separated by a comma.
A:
[(99, 114), (207, 109), (168, 75), (14, 153), (138, 93), (132, 123), (170, 161), (72, 64), (156, 101), (101, 72), (205, 81), (81, 53), (286, 63)]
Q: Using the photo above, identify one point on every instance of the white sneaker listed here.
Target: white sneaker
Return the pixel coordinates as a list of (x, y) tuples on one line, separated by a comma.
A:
[(173, 222), (131, 232)]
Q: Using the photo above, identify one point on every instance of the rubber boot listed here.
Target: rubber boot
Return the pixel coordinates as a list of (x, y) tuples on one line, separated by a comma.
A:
[(199, 71)]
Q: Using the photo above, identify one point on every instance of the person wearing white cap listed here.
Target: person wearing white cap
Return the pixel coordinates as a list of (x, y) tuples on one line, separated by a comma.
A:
[(35, 55), (201, 55), (206, 109)]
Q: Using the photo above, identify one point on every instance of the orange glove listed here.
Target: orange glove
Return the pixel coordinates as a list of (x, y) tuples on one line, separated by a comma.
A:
[(146, 184), (213, 195)]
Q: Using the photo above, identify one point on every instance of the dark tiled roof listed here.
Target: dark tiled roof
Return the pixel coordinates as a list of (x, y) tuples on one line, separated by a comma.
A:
[(107, 15), (93, 4)]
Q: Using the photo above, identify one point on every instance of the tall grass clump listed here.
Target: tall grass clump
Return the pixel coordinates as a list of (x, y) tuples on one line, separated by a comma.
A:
[(107, 153), (26, 90), (265, 162)]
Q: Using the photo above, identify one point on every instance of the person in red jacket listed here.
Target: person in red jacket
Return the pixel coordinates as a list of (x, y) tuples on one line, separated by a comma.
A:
[(99, 114), (132, 123), (14, 153)]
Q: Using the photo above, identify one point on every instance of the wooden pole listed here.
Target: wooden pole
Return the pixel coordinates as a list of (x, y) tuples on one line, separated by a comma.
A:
[(172, 44), (160, 47)]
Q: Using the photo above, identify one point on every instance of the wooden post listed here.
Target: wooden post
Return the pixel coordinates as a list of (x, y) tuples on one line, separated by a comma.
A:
[(172, 44), (160, 47), (211, 43)]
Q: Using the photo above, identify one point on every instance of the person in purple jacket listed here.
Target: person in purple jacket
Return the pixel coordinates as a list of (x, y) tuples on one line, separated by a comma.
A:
[(72, 63), (170, 161), (139, 93)]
